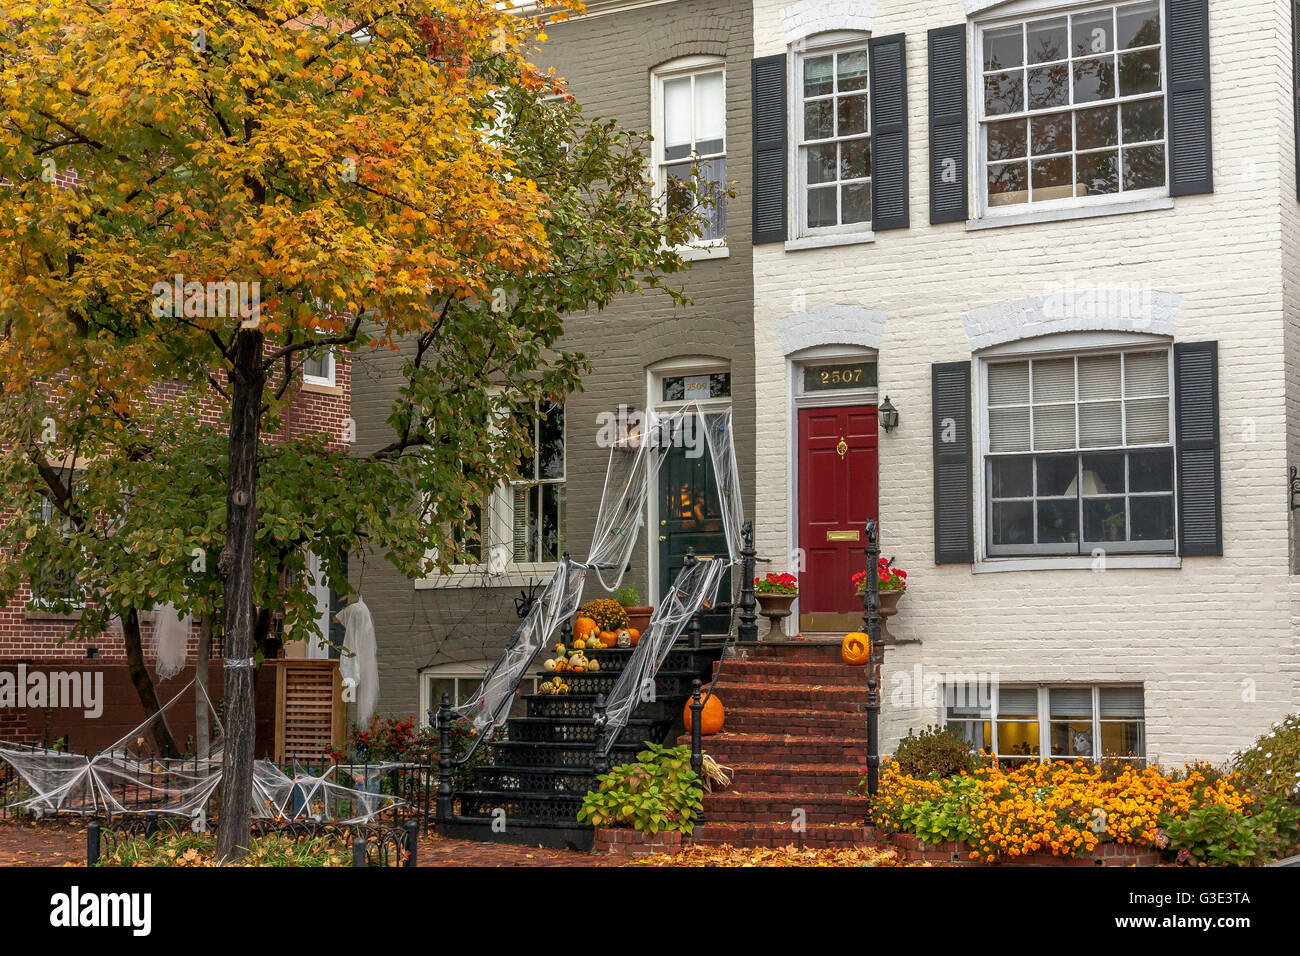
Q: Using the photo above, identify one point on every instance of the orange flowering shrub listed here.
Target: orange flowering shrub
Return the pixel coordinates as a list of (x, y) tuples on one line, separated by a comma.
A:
[(1059, 808)]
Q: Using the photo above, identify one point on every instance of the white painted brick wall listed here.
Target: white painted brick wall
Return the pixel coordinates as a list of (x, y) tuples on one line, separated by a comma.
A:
[(1194, 636)]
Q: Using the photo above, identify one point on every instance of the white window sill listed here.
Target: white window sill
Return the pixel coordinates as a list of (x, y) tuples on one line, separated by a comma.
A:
[(827, 242), (1066, 215), (472, 577), (1114, 562), (696, 253)]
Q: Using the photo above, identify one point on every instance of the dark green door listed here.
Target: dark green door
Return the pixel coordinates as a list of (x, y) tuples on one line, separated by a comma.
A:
[(690, 516)]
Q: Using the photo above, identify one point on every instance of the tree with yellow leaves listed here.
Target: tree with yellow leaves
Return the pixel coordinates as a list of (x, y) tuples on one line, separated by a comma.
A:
[(253, 184)]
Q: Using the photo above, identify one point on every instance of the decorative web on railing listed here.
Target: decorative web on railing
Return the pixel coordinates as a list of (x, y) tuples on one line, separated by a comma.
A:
[(120, 781), (634, 463)]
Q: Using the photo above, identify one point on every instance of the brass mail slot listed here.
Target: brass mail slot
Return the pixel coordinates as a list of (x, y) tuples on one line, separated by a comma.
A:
[(843, 535), (705, 557)]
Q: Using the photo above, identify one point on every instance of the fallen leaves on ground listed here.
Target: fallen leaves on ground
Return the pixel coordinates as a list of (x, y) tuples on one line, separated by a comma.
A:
[(727, 855)]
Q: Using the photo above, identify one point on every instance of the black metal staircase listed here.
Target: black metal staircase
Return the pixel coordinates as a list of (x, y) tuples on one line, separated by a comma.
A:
[(530, 791)]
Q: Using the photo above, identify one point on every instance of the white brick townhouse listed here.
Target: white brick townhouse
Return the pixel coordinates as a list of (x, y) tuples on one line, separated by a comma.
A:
[(1061, 238)]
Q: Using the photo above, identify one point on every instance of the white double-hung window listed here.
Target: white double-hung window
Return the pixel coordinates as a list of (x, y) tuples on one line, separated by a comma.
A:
[(690, 138), (1071, 107), (1078, 453), (832, 132)]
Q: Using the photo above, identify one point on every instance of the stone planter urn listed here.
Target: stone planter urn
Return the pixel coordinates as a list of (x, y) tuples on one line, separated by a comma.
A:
[(888, 608), (774, 607)]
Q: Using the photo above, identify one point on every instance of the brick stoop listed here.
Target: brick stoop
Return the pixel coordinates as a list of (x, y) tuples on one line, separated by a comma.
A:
[(796, 738)]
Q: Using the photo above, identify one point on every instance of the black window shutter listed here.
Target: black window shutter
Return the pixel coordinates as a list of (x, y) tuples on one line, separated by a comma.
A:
[(1200, 494), (888, 64), (1191, 156), (1295, 84), (948, 160), (954, 525), (770, 124)]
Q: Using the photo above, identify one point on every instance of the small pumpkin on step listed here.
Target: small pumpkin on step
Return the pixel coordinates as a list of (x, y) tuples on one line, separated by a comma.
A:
[(711, 717), (856, 648)]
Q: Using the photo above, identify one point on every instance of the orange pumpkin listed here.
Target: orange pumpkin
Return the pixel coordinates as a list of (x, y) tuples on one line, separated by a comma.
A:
[(856, 649), (584, 627), (711, 718), (608, 638)]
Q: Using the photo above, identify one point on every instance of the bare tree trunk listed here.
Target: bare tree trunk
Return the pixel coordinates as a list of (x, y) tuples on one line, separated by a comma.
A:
[(148, 694), (202, 731), (247, 382)]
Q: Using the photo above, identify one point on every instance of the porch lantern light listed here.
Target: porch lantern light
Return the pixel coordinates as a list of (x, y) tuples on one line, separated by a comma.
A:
[(888, 415)]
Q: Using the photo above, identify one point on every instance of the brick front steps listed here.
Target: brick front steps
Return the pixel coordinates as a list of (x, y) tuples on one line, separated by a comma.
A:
[(796, 738)]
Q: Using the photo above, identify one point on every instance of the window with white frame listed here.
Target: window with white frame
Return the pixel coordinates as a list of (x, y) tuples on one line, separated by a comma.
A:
[(1072, 107), (459, 681), (833, 136), (318, 367), (690, 138), (54, 585), (1065, 722), (523, 521), (1078, 453)]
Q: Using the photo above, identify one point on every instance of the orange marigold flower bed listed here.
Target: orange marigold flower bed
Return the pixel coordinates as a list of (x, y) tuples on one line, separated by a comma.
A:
[(1060, 808)]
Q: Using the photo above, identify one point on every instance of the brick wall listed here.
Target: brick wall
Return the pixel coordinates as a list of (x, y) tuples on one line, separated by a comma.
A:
[(1198, 637), (607, 60)]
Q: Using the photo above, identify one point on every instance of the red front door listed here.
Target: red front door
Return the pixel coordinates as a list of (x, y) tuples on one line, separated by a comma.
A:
[(838, 492)]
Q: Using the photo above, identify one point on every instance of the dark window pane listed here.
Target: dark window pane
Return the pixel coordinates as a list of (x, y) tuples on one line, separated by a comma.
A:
[(1056, 475), (855, 159), (552, 530), (1139, 24), (1008, 183), (1151, 471), (1144, 167), (1050, 133), (1144, 121), (1097, 127), (1004, 93), (1093, 33), (1094, 80), (1058, 522), (852, 70), (821, 207), (1052, 178), (1139, 72), (1121, 739), (1049, 86), (818, 78), (1103, 519), (1047, 40), (1012, 477), (1004, 48), (1007, 140), (550, 443), (1098, 173), (855, 202), (852, 115), (1153, 518), (680, 151), (1071, 740), (821, 163), (819, 119), (1013, 522), (1103, 474)]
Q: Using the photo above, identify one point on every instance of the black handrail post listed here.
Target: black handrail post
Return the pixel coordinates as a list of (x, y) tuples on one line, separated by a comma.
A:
[(600, 762), (694, 629), (92, 843), (871, 620), (412, 842), (697, 736), (444, 760), (748, 630)]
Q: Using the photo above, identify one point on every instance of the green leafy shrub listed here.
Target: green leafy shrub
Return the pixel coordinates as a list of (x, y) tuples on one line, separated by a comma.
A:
[(1272, 765), (199, 849), (935, 751), (628, 596), (1215, 835), (658, 792)]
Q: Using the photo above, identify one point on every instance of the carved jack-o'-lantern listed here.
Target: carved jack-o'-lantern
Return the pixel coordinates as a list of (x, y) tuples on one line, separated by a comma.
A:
[(856, 649)]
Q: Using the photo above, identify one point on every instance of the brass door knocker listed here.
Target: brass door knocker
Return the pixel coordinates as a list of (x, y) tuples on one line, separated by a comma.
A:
[(842, 448)]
